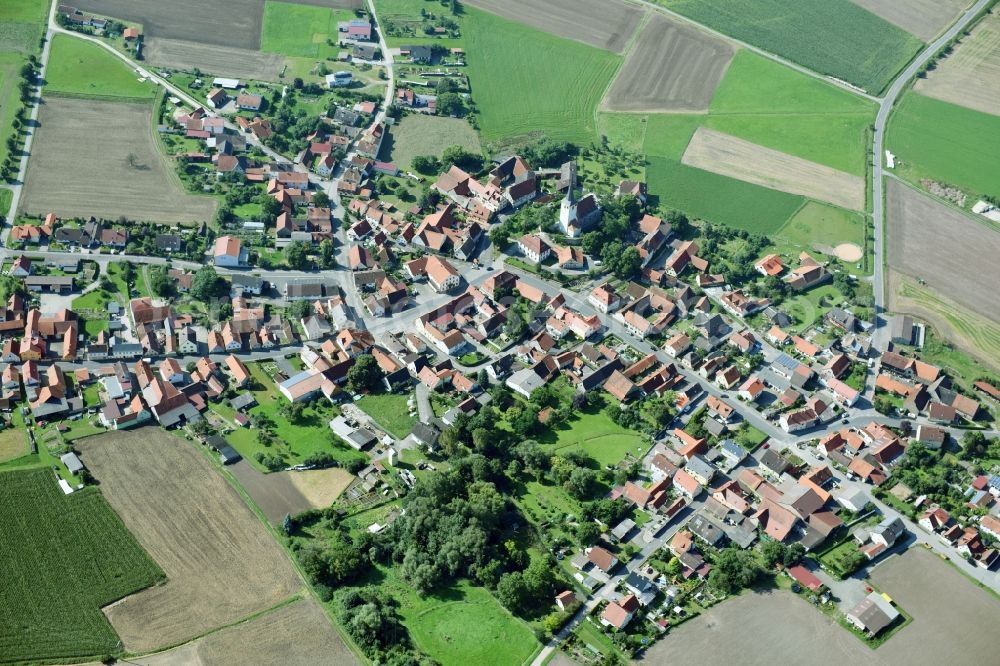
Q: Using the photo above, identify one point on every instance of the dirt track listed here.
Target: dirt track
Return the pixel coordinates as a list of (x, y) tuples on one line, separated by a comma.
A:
[(970, 76), (221, 564), (299, 634), (606, 24), (672, 67), (99, 158), (730, 156), (229, 23), (923, 18), (954, 254), (218, 60)]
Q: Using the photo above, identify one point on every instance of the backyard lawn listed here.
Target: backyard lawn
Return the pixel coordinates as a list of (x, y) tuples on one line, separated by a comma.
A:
[(295, 441), (390, 411)]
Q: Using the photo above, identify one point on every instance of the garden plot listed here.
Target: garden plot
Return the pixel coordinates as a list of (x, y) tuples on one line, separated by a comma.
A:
[(952, 253), (79, 168), (606, 24), (970, 76), (222, 565), (729, 156), (672, 67)]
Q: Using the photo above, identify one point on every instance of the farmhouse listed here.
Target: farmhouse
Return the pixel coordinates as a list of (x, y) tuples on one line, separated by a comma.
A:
[(229, 252)]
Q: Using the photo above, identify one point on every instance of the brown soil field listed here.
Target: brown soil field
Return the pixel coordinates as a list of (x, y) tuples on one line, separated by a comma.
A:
[(975, 335), (218, 60), (606, 24), (953, 619), (672, 67), (222, 565), (281, 493), (923, 18), (727, 155), (952, 253), (762, 630), (80, 168), (298, 634), (970, 76), (230, 23), (849, 252), (952, 623)]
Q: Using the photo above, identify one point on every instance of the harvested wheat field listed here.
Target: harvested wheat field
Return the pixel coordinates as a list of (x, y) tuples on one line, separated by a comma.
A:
[(672, 67), (293, 635), (729, 156), (606, 24), (80, 168), (222, 565), (922, 18), (952, 253), (282, 493), (219, 60), (970, 75), (230, 23)]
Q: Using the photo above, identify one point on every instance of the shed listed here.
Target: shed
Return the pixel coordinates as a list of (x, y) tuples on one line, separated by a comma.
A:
[(72, 462), (228, 455)]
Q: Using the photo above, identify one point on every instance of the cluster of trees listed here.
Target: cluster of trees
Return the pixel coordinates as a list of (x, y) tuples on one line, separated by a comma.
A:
[(619, 256), (927, 472), (160, 282), (365, 375), (451, 528), (524, 592), (371, 618), (526, 220), (548, 154), (775, 552), (207, 285), (733, 259), (975, 446), (734, 569), (332, 562)]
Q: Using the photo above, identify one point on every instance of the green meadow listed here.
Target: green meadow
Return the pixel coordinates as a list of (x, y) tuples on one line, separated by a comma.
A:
[(947, 143), (78, 68)]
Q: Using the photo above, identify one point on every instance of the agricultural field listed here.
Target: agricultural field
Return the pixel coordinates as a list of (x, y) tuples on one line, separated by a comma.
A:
[(299, 634), (970, 75), (546, 84), (211, 59), (222, 565), (127, 176), (736, 158), (421, 134), (709, 196), (944, 605), (606, 24), (924, 19), (949, 251), (832, 37), (976, 336), (792, 630), (300, 30), (65, 556), (764, 103), (946, 143), (235, 23), (78, 68), (282, 493), (696, 60), (13, 444)]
